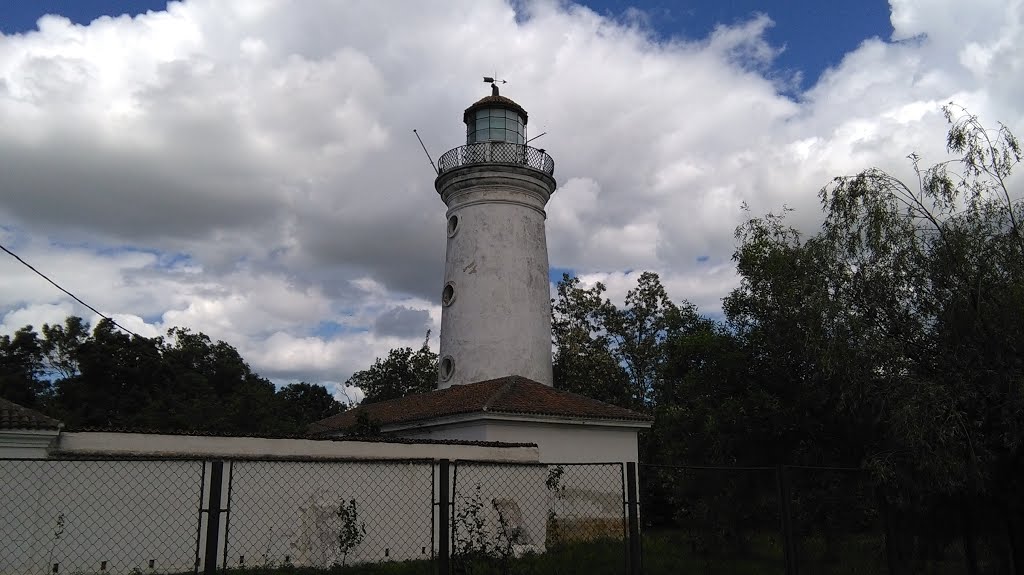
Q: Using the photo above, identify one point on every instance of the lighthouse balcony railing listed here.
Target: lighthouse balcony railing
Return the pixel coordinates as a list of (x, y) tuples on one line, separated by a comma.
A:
[(496, 153)]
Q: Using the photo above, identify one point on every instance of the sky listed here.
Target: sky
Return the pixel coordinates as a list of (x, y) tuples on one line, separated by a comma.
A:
[(247, 168)]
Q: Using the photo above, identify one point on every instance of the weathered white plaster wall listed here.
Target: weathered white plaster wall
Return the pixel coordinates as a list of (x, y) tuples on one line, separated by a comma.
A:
[(26, 443), (499, 321), (569, 442), (559, 443)]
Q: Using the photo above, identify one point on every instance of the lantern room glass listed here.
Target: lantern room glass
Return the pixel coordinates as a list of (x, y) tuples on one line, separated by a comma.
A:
[(495, 125)]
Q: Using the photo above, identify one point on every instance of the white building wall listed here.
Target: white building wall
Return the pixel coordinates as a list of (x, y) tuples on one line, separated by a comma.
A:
[(572, 443), (26, 443), (568, 442)]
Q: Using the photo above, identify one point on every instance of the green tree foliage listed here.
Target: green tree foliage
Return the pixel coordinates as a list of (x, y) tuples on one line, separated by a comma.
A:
[(187, 382), (60, 346), (617, 355), (403, 372), (21, 368), (637, 333), (583, 360), (897, 327), (303, 403)]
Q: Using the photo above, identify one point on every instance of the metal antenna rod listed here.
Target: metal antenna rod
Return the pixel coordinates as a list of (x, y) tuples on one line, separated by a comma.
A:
[(535, 137), (436, 171)]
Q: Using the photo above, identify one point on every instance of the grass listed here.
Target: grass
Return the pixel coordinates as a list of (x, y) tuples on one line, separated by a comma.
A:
[(672, 551), (421, 567), (598, 557)]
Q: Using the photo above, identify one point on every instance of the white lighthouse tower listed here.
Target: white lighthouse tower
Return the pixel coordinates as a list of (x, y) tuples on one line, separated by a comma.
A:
[(496, 306)]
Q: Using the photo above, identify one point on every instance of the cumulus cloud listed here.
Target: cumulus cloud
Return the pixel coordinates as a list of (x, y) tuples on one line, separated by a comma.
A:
[(247, 169), (401, 321)]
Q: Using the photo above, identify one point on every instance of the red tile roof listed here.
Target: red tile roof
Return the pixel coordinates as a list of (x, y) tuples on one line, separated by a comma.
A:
[(14, 416), (506, 395)]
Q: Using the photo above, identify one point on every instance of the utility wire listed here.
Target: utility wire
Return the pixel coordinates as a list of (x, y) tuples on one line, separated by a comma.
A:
[(73, 296)]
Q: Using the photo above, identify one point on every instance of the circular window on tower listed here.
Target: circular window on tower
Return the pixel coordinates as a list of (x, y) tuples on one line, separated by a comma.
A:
[(447, 368), (448, 294), (453, 225)]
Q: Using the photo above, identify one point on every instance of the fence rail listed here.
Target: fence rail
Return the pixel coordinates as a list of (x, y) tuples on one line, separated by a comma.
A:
[(496, 153)]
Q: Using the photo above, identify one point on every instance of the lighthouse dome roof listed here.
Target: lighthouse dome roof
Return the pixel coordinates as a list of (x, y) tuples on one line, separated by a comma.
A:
[(490, 102)]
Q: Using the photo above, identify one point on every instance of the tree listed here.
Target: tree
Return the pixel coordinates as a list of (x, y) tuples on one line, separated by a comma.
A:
[(118, 383), (303, 403), (60, 346), (895, 330), (21, 368), (403, 372), (229, 395), (609, 353), (636, 334), (351, 531), (933, 273), (583, 362)]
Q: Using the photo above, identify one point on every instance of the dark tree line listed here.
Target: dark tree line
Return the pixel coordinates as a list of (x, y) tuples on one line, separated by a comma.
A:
[(185, 382), (892, 336)]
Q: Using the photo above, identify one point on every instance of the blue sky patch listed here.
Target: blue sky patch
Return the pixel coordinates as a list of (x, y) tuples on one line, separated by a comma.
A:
[(555, 274)]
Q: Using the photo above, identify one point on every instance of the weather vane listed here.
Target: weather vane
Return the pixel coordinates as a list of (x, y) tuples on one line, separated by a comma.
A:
[(494, 84)]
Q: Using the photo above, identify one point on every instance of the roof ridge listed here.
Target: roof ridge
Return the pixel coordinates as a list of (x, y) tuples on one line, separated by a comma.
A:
[(17, 416), (501, 392)]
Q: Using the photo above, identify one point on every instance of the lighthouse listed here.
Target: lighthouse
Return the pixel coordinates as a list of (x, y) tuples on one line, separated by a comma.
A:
[(496, 303), (494, 380)]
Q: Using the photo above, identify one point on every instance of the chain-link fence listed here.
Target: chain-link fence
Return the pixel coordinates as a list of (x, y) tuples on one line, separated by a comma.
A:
[(711, 520), (133, 517), (322, 514), (837, 521), (136, 517), (115, 517), (544, 518), (814, 520)]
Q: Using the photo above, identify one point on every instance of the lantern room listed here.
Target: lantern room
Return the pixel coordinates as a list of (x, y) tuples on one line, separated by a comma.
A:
[(495, 118)]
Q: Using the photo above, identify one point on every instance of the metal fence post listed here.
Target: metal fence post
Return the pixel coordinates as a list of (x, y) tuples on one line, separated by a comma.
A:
[(443, 519), (967, 528), (788, 542), (634, 519), (213, 517), (892, 543)]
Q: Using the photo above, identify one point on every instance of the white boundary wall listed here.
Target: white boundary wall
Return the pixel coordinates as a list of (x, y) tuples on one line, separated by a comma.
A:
[(106, 512)]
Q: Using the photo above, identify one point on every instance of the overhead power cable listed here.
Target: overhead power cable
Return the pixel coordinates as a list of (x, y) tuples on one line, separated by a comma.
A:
[(73, 296)]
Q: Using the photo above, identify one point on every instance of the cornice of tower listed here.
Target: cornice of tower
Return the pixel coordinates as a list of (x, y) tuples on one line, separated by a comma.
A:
[(483, 183)]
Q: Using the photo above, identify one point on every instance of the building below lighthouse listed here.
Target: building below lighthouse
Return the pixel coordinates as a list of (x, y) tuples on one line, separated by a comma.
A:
[(494, 368)]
